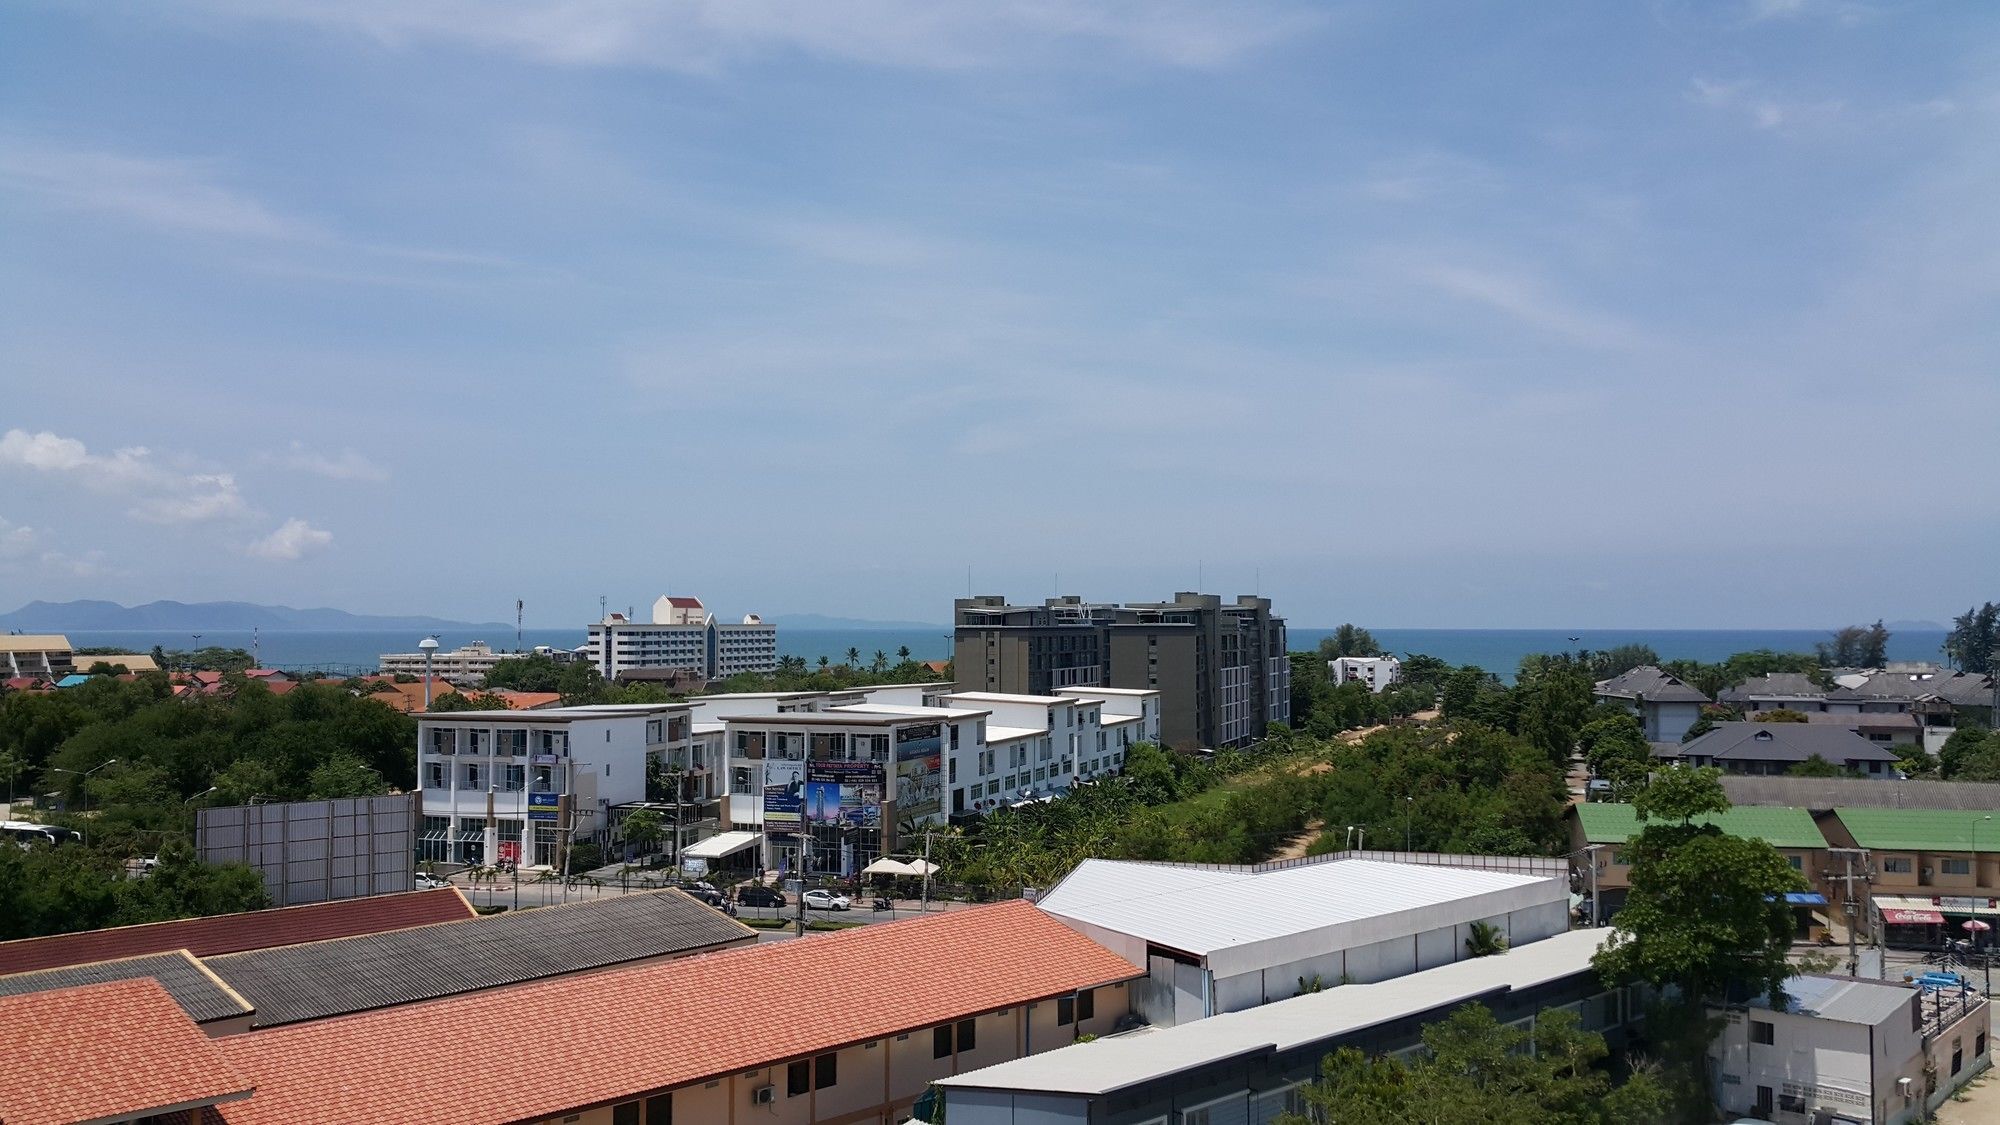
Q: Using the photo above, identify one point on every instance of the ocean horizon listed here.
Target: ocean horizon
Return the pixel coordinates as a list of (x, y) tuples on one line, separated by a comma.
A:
[(1496, 650)]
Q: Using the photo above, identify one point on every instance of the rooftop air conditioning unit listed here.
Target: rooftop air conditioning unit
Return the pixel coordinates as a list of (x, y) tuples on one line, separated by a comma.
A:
[(763, 1095)]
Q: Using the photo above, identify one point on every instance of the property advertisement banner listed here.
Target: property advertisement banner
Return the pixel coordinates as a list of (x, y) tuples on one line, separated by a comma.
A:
[(919, 770), (840, 792), (542, 806), (784, 794)]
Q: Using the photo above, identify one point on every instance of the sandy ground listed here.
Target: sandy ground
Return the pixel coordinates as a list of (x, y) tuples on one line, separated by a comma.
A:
[(1980, 1107)]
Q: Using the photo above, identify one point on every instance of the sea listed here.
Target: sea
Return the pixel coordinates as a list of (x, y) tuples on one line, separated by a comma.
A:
[(1496, 650)]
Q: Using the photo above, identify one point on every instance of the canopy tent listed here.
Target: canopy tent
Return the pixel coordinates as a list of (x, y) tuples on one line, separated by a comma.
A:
[(898, 867), (720, 845)]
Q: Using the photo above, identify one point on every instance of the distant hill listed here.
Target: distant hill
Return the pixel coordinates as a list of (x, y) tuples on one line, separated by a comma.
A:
[(1917, 627), (850, 624), (86, 616)]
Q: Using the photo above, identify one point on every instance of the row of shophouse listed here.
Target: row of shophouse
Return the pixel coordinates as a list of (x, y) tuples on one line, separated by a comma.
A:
[(741, 780), (1916, 859)]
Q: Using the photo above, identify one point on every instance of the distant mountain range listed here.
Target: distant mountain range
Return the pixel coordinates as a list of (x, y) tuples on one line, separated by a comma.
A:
[(85, 616), (812, 621)]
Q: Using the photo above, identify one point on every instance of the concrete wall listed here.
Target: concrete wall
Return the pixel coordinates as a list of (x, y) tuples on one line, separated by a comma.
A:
[(317, 851)]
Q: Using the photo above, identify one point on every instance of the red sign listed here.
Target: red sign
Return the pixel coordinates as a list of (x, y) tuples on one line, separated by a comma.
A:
[(510, 851), (1912, 917)]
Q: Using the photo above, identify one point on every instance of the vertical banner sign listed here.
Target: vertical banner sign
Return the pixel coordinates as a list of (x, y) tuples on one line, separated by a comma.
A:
[(784, 794), (542, 807), (840, 792), (919, 770)]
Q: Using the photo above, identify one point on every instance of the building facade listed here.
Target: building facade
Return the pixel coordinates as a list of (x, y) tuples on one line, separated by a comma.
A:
[(1220, 669), (42, 656), (1665, 705), (536, 768), (466, 664), (682, 634), (1378, 672)]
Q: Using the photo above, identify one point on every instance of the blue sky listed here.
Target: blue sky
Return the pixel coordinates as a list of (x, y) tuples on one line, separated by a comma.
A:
[(1416, 314)]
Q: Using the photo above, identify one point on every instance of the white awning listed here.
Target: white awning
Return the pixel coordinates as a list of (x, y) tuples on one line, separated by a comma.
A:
[(898, 867), (722, 844)]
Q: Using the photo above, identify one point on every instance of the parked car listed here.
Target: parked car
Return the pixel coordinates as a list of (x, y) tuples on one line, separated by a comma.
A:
[(428, 882), (760, 896), (826, 900)]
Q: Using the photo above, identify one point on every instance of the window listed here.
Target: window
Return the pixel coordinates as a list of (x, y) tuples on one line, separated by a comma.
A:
[(1957, 866), (941, 1042), (1762, 1032), (627, 1114), (1798, 862), (1764, 1102), (437, 776), (1896, 865), (517, 779), (967, 1035), (798, 1078), (1065, 1010), (1086, 1005), (826, 1071)]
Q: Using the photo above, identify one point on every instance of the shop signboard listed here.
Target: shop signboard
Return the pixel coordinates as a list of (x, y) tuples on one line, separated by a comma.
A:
[(784, 794), (919, 770), (542, 807)]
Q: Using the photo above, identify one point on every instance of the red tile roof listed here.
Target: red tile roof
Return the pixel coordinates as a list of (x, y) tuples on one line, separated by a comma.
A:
[(685, 603), (233, 933), (668, 1023), (105, 1051)]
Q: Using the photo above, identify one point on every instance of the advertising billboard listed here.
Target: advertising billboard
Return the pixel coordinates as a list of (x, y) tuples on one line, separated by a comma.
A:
[(840, 792), (784, 794), (919, 770), (542, 806)]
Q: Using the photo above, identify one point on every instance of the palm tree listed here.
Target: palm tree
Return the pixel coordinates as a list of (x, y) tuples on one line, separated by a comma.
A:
[(853, 656), (881, 660), (903, 653), (823, 662), (1485, 940)]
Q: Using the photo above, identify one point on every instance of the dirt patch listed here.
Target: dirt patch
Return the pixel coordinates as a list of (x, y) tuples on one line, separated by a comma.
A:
[(1980, 1104), (1295, 848)]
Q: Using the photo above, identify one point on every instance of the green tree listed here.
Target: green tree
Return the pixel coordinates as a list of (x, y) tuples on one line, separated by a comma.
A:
[(1855, 646), (580, 683), (1554, 702), (344, 775), (853, 657), (1612, 662), (1780, 715), (1974, 633), (533, 672), (1477, 1070), (643, 830), (1485, 940), (903, 652), (1816, 766), (1615, 746), (823, 662), (1706, 910), (1349, 640)]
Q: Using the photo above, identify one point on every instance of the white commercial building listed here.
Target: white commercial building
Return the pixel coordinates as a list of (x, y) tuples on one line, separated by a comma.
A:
[(682, 634), (1842, 1051), (40, 655), (1224, 938), (1378, 672), (528, 761), (466, 664)]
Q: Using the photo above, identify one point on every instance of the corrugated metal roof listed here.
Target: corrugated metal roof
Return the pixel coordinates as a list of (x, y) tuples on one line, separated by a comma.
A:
[(1844, 999), (1611, 823), (200, 995), (1205, 911), (1122, 1061), (1922, 830), (1861, 792), (329, 978)]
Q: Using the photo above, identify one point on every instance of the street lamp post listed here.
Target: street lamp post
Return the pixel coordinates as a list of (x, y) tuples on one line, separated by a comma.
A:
[(1409, 810), (200, 795), (85, 786), (428, 646), (1977, 879)]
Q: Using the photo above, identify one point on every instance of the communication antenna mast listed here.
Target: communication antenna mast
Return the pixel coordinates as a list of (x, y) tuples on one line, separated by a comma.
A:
[(600, 607), (256, 647), (517, 625)]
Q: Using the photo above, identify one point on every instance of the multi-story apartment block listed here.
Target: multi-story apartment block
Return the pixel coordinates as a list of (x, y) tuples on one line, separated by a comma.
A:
[(46, 656), (528, 762), (682, 634), (1221, 670), (466, 664)]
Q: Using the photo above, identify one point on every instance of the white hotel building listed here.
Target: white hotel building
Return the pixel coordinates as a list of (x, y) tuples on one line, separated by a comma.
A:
[(682, 634)]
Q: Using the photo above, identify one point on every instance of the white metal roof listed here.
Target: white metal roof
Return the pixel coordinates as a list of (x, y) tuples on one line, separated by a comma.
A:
[(1844, 999), (1235, 917), (1009, 697), (721, 844), (996, 734), (1120, 1061)]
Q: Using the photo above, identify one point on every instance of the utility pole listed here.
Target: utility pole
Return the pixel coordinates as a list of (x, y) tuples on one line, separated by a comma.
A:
[(1849, 906), (924, 903), (566, 835), (805, 864), (1590, 859)]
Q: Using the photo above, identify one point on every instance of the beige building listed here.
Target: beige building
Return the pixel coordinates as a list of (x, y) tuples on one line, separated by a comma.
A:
[(40, 655)]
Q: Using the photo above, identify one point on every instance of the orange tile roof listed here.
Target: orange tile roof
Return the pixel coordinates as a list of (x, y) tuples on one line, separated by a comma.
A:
[(105, 1051), (668, 1023), (233, 933), (407, 698), (526, 700)]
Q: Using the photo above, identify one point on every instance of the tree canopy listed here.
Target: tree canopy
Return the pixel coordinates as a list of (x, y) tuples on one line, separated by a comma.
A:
[(1974, 633), (1855, 646), (1349, 640)]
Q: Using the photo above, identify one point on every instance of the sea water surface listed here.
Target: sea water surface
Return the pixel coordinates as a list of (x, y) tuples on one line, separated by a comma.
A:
[(1496, 650)]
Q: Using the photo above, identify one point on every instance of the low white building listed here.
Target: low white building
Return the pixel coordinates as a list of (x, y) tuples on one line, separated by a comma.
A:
[(1843, 1051), (1378, 672), (682, 634), (1219, 938), (528, 761), (466, 664)]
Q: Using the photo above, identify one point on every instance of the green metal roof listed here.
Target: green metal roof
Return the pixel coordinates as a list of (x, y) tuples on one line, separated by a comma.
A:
[(1608, 823), (1922, 830)]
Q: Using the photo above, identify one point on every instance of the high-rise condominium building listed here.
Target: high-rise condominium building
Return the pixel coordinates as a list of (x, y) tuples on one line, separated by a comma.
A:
[(1220, 668)]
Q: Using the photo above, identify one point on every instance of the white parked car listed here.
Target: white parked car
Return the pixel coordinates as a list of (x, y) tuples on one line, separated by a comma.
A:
[(826, 900), (429, 882)]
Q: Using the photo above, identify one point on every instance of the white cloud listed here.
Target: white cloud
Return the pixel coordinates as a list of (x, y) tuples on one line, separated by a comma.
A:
[(705, 35), (347, 465), (172, 194), (90, 564), (294, 539), (1533, 303), (16, 540), (1845, 12), (1761, 109), (160, 494)]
